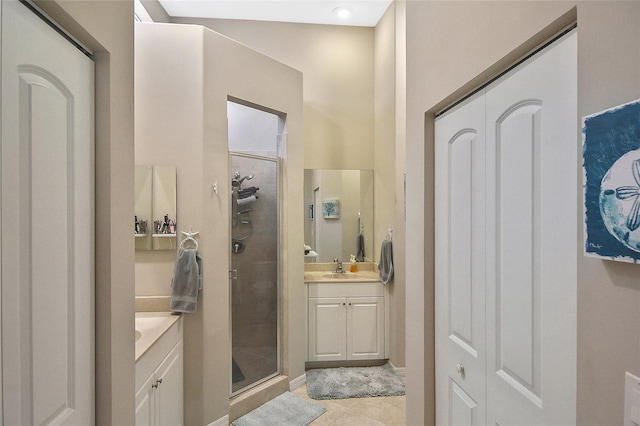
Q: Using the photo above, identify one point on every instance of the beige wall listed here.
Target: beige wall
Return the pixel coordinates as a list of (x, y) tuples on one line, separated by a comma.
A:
[(346, 126), (389, 173), (106, 27), (451, 47), (608, 292), (181, 119), (337, 64)]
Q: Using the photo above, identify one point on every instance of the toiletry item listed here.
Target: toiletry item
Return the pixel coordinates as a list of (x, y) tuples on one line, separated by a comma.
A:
[(243, 193), (247, 200), (354, 265)]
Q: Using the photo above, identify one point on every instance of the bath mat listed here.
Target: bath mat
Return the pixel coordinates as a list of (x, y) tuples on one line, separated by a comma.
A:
[(286, 409), (353, 382)]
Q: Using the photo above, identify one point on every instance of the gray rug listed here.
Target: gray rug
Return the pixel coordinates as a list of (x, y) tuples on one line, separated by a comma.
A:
[(353, 382), (286, 409)]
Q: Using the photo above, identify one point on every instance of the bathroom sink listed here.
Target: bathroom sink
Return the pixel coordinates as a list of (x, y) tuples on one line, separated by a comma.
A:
[(149, 327), (343, 276)]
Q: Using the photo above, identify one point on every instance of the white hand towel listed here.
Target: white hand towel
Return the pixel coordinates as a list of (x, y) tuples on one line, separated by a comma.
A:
[(186, 281)]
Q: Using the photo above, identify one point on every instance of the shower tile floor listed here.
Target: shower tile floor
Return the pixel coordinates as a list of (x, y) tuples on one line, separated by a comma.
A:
[(378, 411), (254, 364)]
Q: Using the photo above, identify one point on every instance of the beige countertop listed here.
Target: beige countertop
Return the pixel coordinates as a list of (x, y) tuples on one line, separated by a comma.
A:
[(330, 277), (150, 326)]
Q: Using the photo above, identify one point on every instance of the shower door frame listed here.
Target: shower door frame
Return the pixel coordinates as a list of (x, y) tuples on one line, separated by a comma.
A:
[(278, 164)]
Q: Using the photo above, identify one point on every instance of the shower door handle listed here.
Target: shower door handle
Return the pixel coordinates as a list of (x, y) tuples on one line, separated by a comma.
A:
[(233, 274)]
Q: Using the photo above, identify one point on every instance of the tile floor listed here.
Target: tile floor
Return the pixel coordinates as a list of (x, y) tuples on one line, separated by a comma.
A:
[(379, 411)]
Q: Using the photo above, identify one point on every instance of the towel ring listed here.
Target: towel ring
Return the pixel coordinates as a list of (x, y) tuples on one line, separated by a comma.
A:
[(189, 239)]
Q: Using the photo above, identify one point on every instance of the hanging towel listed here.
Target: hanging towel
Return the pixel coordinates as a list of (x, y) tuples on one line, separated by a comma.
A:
[(360, 248), (385, 266), (186, 281)]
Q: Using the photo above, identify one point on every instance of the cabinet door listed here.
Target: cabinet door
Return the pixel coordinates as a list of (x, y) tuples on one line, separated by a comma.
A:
[(144, 403), (365, 328), (169, 391), (327, 329)]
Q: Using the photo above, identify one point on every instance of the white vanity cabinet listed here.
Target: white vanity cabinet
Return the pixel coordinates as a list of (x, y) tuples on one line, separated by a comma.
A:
[(159, 381), (346, 321)]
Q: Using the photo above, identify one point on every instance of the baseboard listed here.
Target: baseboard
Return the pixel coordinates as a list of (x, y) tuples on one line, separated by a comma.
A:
[(297, 382), (400, 371), (222, 421)]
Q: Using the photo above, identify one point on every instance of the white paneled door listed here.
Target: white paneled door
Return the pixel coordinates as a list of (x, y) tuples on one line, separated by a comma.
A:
[(460, 259), (47, 203), (506, 247)]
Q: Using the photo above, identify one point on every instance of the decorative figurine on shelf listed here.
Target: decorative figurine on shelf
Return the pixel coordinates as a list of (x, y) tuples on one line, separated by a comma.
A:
[(137, 225), (167, 226)]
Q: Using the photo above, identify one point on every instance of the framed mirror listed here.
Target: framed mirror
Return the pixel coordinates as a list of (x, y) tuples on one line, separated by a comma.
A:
[(338, 219)]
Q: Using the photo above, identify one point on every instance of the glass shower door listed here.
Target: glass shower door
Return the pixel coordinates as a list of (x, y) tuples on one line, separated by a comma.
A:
[(254, 270)]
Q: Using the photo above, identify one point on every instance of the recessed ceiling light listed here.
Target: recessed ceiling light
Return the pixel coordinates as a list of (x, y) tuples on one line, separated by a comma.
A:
[(342, 12)]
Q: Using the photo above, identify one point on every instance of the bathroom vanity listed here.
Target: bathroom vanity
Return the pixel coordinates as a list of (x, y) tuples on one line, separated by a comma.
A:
[(159, 369), (347, 316)]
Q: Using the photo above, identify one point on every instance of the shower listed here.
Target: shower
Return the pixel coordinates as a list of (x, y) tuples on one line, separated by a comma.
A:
[(254, 264)]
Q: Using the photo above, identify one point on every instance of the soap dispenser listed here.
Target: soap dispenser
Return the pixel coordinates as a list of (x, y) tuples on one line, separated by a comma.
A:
[(354, 265)]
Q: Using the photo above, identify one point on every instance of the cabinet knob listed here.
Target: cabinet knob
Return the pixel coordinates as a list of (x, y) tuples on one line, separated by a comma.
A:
[(460, 369)]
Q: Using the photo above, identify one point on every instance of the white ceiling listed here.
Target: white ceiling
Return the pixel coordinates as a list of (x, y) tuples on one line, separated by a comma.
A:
[(365, 13)]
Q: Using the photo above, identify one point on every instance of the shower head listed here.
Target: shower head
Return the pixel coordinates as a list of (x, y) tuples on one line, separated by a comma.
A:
[(237, 181)]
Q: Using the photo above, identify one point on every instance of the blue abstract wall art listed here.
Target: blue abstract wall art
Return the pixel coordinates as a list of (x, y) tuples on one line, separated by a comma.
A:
[(611, 162)]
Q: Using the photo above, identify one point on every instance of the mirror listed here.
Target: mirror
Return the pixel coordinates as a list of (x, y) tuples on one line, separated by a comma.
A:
[(338, 209), (143, 205), (155, 207)]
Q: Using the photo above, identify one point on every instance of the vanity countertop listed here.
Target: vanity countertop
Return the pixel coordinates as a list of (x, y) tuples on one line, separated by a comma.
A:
[(330, 277), (150, 326)]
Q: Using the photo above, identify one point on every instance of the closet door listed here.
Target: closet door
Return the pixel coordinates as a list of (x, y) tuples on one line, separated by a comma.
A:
[(460, 264), (531, 204), (47, 225), (506, 247)]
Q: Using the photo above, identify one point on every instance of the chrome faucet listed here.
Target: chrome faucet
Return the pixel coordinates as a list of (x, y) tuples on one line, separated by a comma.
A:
[(338, 266)]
